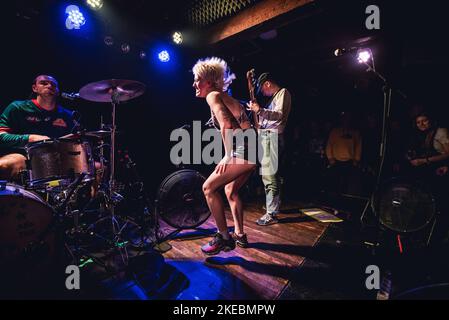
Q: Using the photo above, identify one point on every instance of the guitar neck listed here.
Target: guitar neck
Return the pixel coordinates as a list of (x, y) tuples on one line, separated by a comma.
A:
[(252, 96)]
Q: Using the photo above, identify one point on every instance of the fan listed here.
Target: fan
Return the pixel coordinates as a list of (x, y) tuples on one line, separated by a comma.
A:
[(181, 201), (404, 206)]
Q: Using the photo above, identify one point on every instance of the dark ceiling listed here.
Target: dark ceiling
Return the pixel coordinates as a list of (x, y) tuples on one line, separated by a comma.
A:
[(409, 47)]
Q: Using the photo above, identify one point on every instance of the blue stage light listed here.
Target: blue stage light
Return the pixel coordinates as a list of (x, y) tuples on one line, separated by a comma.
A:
[(164, 56), (75, 19)]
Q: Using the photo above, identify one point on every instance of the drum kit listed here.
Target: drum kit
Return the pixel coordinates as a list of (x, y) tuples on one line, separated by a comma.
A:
[(45, 212)]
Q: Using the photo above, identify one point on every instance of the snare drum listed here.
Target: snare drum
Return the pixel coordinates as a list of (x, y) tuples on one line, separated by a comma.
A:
[(25, 227), (60, 161)]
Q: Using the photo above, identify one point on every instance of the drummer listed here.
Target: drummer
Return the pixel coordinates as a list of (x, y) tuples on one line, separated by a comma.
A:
[(32, 120)]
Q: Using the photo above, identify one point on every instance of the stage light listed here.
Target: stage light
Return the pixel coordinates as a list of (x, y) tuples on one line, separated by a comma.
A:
[(108, 40), (164, 56), (177, 37), (75, 18), (125, 48), (142, 55), (95, 4), (363, 55)]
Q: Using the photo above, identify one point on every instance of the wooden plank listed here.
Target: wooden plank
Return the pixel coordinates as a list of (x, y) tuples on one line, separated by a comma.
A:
[(252, 17), (266, 267)]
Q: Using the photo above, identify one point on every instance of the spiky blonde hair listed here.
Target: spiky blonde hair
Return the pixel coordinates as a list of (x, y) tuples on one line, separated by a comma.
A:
[(215, 70)]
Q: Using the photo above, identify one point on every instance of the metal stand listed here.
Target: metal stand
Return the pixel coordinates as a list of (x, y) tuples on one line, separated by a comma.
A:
[(112, 162), (115, 225), (388, 92)]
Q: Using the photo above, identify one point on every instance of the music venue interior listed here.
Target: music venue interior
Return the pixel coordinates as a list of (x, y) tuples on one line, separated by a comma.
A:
[(109, 113)]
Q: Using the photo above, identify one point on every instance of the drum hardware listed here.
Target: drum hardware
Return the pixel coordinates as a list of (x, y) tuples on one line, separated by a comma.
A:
[(113, 91), (70, 191), (61, 183)]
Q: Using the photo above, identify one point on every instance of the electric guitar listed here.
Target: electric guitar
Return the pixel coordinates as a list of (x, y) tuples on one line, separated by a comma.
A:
[(250, 76)]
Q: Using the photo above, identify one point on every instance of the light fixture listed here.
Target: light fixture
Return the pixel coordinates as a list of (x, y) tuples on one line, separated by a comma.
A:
[(164, 56), (95, 4), (125, 48), (363, 55), (177, 37), (75, 18), (108, 40)]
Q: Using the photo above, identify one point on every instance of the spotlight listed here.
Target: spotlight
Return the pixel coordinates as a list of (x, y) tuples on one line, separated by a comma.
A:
[(125, 48), (363, 55), (177, 37), (95, 4), (108, 40), (75, 18), (164, 56), (142, 55)]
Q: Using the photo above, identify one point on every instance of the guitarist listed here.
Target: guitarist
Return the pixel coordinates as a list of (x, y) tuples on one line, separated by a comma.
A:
[(271, 122)]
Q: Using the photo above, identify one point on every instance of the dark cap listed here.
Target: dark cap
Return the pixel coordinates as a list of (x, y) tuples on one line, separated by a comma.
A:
[(262, 78)]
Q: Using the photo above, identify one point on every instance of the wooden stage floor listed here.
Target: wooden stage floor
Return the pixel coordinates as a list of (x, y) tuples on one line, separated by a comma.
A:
[(261, 271)]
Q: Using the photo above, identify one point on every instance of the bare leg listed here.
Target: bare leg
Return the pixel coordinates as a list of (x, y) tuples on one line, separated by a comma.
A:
[(11, 165), (215, 182), (232, 193)]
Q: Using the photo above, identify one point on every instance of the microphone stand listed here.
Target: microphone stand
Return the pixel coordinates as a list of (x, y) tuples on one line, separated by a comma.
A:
[(388, 93)]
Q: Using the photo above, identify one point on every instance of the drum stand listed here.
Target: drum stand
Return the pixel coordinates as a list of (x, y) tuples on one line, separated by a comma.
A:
[(79, 255), (115, 239), (111, 196)]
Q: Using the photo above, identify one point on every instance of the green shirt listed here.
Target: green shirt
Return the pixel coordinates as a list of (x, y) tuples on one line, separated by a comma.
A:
[(22, 118)]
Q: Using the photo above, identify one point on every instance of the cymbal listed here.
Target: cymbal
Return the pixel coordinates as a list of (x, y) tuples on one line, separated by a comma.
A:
[(102, 91), (99, 134)]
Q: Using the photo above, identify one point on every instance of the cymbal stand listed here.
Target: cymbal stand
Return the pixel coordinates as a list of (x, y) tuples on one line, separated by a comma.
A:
[(116, 228)]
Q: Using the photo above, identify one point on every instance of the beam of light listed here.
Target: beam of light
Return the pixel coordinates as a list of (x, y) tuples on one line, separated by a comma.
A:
[(75, 18)]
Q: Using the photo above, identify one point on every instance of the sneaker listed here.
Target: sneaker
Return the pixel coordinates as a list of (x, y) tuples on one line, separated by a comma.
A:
[(217, 244), (241, 241), (266, 220)]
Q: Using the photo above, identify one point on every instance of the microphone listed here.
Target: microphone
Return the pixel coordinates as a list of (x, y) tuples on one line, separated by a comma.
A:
[(70, 96), (342, 51)]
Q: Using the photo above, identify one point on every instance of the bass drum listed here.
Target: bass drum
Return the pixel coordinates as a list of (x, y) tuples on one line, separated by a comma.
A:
[(25, 228), (181, 202)]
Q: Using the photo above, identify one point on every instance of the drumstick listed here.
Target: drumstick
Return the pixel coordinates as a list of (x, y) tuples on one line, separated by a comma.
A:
[(70, 135)]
